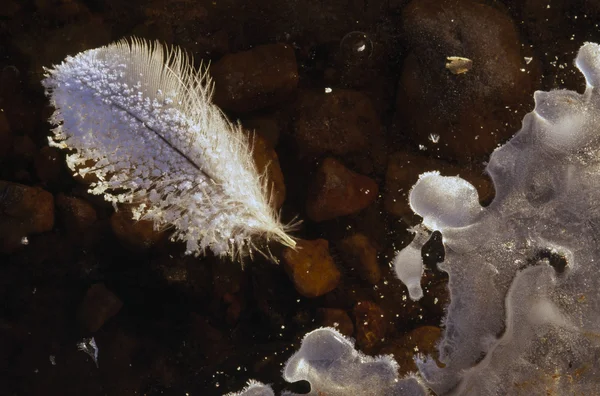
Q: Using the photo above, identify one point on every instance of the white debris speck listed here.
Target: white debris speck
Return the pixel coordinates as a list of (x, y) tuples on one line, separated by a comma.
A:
[(88, 345)]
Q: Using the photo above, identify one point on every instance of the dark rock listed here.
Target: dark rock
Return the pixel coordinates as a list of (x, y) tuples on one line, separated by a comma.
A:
[(311, 268), (313, 21), (266, 159), (70, 39), (134, 234), (234, 307), (371, 326), (261, 77), (340, 122), (227, 278), (436, 297), (98, 305), (24, 210), (24, 148), (338, 318), (422, 340), (337, 191), (359, 254), (265, 126), (49, 166), (187, 23), (208, 339), (10, 8), (469, 113), (15, 99), (62, 11), (6, 137), (76, 214)]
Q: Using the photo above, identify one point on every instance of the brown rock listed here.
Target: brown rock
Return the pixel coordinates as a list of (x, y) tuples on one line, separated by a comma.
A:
[(340, 122), (24, 210), (311, 268), (467, 112), (76, 214), (61, 11), (266, 159), (337, 191), (24, 148), (234, 307), (208, 339), (550, 51), (10, 8), (359, 254), (436, 297), (371, 325), (186, 274), (6, 137), (403, 172), (98, 305), (187, 23), (421, 340), (267, 127), (134, 234), (49, 165), (227, 278), (337, 318), (15, 97), (69, 39), (261, 77)]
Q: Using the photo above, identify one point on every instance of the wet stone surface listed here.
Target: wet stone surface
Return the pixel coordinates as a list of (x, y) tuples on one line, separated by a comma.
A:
[(311, 268), (338, 191)]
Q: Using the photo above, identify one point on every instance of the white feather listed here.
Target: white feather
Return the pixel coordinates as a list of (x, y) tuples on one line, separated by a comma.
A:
[(140, 118)]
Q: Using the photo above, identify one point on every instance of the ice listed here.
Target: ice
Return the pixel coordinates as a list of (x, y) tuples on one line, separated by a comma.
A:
[(524, 312)]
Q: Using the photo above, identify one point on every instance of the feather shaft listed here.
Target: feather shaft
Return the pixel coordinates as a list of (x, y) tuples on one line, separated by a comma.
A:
[(143, 116)]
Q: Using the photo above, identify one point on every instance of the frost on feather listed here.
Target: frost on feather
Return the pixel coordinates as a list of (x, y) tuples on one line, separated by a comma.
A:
[(139, 117)]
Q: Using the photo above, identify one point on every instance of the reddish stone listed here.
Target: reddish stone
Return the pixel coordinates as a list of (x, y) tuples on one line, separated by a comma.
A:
[(422, 340), (76, 214), (337, 318), (337, 191), (360, 254), (99, 305), (266, 159), (134, 234), (340, 122), (371, 325), (24, 210), (267, 127), (24, 148), (311, 268), (49, 165), (6, 137), (250, 80)]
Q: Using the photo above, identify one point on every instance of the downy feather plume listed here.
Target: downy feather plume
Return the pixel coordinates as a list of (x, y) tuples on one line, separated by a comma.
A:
[(139, 117)]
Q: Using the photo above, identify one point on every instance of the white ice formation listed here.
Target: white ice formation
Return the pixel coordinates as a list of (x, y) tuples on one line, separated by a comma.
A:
[(524, 316)]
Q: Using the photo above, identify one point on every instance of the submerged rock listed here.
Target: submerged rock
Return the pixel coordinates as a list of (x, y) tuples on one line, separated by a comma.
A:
[(338, 191), (311, 268)]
